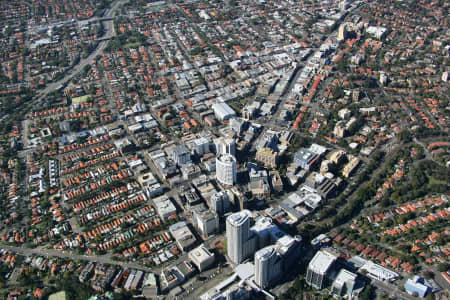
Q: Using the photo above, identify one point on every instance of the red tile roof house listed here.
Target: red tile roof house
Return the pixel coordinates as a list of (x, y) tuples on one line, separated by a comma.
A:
[(333, 234), (38, 293), (346, 241), (353, 244), (374, 253), (359, 248), (367, 250), (339, 238), (382, 257)]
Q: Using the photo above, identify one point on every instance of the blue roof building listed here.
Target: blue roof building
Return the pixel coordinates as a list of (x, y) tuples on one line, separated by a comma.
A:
[(305, 158), (416, 286)]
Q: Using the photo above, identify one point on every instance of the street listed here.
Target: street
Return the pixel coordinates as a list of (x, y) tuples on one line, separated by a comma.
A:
[(392, 290), (109, 32), (104, 259)]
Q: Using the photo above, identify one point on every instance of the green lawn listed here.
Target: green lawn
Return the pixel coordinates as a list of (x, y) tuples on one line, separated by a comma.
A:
[(132, 45), (58, 296), (81, 99)]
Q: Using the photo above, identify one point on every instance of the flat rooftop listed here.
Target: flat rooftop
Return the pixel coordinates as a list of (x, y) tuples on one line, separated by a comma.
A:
[(322, 261), (201, 253), (239, 218)]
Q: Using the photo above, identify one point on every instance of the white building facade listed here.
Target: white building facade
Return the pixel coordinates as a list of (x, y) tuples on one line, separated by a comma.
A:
[(226, 171), (240, 243), (268, 266)]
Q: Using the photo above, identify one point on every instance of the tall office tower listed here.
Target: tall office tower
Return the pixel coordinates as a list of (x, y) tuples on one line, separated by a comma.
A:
[(225, 146), (268, 263), (219, 202), (344, 284), (180, 155), (318, 269), (240, 242), (343, 5), (226, 172), (342, 33)]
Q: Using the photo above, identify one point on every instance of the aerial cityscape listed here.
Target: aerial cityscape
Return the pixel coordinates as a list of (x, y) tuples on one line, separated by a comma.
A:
[(224, 149)]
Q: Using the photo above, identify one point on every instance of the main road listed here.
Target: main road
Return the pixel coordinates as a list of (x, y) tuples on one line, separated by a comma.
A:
[(104, 259), (109, 32), (392, 290)]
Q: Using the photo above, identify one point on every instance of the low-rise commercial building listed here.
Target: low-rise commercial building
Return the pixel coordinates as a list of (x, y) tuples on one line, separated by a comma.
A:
[(206, 222), (268, 157), (164, 207), (183, 235), (350, 166), (223, 111), (305, 158), (417, 286), (201, 257), (150, 286)]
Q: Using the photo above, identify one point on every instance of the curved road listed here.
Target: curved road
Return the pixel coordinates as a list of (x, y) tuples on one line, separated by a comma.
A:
[(104, 259), (109, 32)]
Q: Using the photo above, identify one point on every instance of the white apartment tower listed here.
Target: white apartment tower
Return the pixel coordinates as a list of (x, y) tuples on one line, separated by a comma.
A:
[(226, 172), (268, 266), (240, 242), (318, 269)]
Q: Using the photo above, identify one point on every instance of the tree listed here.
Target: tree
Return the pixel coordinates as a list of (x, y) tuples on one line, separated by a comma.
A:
[(224, 245), (428, 274), (196, 51), (368, 293), (405, 136), (443, 267)]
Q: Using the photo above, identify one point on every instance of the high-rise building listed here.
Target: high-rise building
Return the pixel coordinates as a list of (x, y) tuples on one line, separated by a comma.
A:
[(271, 260), (290, 247), (237, 125), (339, 129), (225, 146), (240, 241), (342, 32), (344, 284), (226, 172), (343, 5), (444, 76), (268, 266), (206, 222), (318, 269), (180, 155), (219, 202), (383, 78), (201, 146)]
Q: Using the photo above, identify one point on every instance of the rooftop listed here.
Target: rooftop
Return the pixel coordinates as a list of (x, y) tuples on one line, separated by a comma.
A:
[(201, 253), (345, 276), (239, 218), (226, 158), (322, 261), (265, 253), (379, 272)]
